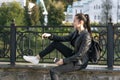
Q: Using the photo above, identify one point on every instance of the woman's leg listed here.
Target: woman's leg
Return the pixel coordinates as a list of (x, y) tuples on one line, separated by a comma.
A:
[(56, 71), (66, 51)]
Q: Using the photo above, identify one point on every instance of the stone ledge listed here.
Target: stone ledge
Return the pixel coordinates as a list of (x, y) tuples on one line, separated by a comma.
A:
[(27, 71), (47, 66)]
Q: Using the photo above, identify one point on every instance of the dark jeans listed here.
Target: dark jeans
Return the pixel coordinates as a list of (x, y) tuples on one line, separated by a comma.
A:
[(64, 50), (67, 52), (56, 71)]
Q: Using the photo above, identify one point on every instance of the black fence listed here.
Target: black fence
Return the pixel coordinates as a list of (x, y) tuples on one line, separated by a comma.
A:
[(16, 41)]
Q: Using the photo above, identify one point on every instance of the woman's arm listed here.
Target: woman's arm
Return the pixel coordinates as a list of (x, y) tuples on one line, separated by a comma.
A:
[(61, 38)]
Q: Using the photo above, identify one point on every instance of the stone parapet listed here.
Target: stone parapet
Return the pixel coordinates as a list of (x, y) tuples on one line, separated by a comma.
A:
[(41, 72)]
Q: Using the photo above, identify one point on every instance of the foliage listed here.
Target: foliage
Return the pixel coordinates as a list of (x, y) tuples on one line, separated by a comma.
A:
[(33, 1), (55, 10), (14, 10), (117, 24), (32, 17), (28, 20), (3, 14), (56, 13), (35, 15), (66, 2), (67, 24), (11, 11), (95, 24), (41, 16)]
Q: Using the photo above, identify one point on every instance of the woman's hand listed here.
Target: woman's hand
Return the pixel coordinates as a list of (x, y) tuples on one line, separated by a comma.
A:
[(60, 62), (45, 35)]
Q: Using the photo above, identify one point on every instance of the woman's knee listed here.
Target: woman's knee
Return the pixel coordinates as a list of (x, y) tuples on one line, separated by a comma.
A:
[(54, 43)]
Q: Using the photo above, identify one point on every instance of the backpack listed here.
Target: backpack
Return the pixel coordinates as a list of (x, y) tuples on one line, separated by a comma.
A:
[(94, 51)]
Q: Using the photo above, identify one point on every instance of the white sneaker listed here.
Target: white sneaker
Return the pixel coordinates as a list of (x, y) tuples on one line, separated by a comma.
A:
[(32, 59)]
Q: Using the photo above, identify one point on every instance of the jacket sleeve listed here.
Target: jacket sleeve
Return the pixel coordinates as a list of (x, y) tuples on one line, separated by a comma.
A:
[(83, 48), (61, 38)]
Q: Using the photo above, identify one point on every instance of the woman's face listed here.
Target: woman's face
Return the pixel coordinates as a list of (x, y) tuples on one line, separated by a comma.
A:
[(76, 22)]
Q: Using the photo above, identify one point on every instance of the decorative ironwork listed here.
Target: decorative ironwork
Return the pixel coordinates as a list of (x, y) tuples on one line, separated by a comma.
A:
[(117, 43), (4, 44), (29, 42)]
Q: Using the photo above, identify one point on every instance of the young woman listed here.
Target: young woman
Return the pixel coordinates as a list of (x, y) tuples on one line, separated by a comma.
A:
[(75, 59)]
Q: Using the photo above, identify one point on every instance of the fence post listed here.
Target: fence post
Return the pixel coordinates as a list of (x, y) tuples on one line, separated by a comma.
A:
[(110, 45), (12, 43)]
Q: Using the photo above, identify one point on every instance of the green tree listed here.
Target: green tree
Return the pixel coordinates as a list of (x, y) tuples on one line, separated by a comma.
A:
[(55, 10), (33, 1), (32, 17), (16, 12), (55, 13), (35, 15), (66, 2), (41, 18), (47, 5), (11, 11), (28, 21), (3, 14), (27, 17)]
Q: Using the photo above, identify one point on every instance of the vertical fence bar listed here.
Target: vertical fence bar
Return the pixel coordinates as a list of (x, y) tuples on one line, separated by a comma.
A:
[(110, 45), (12, 43)]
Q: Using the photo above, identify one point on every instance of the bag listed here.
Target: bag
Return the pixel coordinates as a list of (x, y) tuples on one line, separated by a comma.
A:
[(94, 51)]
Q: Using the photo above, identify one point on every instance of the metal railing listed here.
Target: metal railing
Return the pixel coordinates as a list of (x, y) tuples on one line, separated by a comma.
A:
[(16, 41)]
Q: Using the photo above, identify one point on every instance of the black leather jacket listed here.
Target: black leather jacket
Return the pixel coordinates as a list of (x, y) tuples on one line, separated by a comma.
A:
[(81, 43)]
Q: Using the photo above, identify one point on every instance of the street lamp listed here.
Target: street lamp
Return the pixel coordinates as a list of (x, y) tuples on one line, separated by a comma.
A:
[(106, 14), (108, 7)]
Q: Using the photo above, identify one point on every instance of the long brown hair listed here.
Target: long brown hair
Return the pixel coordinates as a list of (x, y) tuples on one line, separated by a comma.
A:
[(85, 18), (87, 24)]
